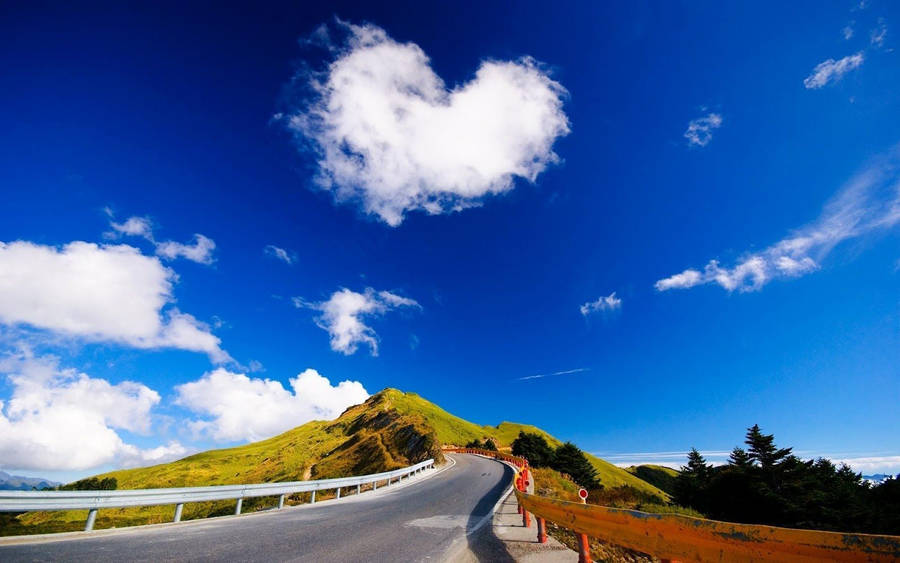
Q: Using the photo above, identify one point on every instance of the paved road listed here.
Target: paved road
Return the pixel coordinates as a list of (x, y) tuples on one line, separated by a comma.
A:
[(419, 521)]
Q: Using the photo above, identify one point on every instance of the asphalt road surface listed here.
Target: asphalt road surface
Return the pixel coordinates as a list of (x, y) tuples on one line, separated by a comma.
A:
[(427, 519)]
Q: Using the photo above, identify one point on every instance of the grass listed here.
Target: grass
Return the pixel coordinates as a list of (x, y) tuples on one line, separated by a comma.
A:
[(657, 475), (452, 430)]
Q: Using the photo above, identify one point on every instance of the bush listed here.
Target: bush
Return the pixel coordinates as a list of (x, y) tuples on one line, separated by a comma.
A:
[(92, 484)]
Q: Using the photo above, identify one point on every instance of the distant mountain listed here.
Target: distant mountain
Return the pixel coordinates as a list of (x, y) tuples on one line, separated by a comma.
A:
[(877, 478), (392, 429), (17, 483)]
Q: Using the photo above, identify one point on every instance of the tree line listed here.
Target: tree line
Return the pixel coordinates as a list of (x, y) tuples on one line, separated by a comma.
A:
[(566, 458), (765, 484)]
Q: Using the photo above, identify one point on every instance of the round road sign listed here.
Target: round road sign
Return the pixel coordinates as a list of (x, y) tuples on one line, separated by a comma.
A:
[(582, 493)]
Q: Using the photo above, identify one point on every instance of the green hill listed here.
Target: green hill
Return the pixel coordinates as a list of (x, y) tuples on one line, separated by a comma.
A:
[(391, 429), (657, 475), (452, 430)]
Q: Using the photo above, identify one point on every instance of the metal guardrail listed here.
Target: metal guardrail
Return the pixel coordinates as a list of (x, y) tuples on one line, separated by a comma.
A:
[(673, 537), (27, 501)]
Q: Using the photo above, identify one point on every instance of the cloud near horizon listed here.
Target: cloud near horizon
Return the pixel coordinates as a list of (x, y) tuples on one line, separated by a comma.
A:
[(390, 135), (110, 293), (869, 202), (62, 419), (237, 407), (343, 313), (860, 462)]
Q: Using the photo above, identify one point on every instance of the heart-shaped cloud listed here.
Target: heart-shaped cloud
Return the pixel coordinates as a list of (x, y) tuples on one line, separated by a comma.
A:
[(391, 136)]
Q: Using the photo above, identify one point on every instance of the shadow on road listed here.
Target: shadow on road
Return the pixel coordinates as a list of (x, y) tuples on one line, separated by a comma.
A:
[(484, 544)]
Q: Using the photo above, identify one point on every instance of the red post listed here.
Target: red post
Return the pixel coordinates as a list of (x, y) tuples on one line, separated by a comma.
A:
[(542, 530), (526, 518), (584, 549)]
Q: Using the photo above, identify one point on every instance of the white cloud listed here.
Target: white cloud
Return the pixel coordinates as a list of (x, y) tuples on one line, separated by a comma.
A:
[(876, 37), (60, 419), (687, 278), (100, 293), (862, 463), (699, 132), (200, 250), (608, 303), (279, 253), (847, 32), (832, 70), (343, 313), (872, 464), (134, 226), (237, 407), (868, 202), (391, 136)]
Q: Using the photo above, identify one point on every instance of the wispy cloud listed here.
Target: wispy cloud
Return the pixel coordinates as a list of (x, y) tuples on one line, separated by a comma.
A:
[(200, 250), (541, 375), (876, 36), (700, 131), (847, 32), (280, 254), (608, 303), (832, 70), (867, 203)]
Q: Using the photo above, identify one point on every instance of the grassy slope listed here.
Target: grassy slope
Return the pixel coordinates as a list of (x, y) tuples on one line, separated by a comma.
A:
[(390, 430), (451, 429), (367, 438), (657, 475)]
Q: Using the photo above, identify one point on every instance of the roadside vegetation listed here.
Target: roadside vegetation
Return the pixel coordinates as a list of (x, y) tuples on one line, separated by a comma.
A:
[(765, 484)]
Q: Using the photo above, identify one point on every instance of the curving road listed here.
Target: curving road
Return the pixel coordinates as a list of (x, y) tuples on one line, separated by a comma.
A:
[(430, 518)]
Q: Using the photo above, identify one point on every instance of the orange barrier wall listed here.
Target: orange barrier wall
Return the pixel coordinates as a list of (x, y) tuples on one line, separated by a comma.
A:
[(682, 538)]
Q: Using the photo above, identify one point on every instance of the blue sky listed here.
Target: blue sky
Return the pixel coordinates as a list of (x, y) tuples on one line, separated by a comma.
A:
[(684, 215)]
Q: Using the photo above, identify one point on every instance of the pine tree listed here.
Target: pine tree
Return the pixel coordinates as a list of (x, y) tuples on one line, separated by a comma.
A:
[(692, 481), (697, 465), (762, 448), (534, 448), (572, 461), (740, 458)]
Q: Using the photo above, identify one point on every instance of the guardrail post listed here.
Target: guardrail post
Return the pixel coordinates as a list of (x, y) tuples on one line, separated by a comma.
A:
[(584, 549), (374, 485), (526, 518), (312, 498), (92, 517), (237, 508), (178, 508), (280, 502), (358, 488), (338, 494), (542, 530)]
